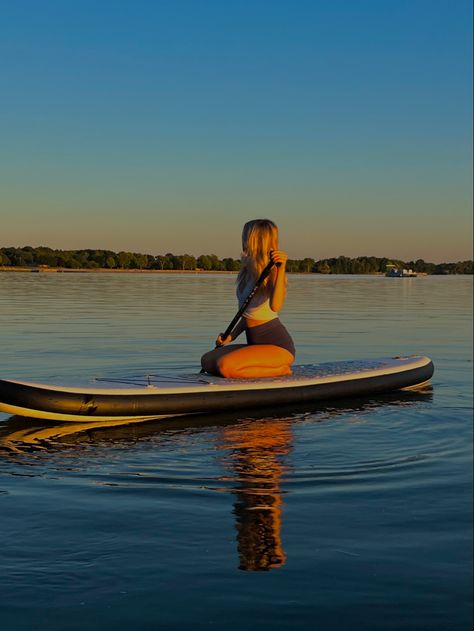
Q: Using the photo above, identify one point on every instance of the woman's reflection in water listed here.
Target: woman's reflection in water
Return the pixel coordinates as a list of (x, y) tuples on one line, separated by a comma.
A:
[(256, 452)]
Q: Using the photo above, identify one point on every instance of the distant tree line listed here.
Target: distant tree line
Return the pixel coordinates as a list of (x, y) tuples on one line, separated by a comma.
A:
[(373, 264), (99, 259)]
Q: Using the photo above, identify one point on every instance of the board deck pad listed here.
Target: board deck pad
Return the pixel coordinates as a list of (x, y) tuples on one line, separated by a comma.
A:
[(301, 372), (153, 395)]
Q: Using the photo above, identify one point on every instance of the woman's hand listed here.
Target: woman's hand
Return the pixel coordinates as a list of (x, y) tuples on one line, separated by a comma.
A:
[(221, 342), (278, 294), (279, 257)]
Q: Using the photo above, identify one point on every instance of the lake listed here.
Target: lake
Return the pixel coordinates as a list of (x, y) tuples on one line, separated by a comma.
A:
[(355, 514)]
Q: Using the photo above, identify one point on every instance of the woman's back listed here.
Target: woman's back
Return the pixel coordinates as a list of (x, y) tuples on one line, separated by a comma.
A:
[(259, 307)]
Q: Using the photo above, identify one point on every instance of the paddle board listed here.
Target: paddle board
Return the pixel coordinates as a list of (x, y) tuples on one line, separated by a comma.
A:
[(152, 396)]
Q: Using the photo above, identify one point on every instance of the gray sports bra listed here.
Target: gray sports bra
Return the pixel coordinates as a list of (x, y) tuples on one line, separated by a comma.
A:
[(259, 307)]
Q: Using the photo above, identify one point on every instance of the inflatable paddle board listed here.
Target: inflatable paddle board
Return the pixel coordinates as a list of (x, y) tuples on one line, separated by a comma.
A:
[(146, 397)]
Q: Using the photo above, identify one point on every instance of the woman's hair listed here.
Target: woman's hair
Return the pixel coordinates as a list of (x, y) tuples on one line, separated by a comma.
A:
[(259, 237)]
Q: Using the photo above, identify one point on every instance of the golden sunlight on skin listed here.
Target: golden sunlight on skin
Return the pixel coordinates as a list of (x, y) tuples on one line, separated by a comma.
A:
[(260, 360), (242, 361), (259, 247), (255, 454)]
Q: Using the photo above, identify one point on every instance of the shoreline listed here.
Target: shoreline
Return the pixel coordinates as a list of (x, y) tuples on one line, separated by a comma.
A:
[(105, 270)]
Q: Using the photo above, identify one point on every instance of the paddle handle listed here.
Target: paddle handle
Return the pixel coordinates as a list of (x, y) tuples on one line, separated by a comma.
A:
[(245, 304)]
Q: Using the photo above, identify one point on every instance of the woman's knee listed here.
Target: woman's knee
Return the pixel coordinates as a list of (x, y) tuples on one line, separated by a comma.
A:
[(226, 366)]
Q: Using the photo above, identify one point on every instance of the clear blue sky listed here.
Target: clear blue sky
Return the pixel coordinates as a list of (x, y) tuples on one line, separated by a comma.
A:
[(164, 125)]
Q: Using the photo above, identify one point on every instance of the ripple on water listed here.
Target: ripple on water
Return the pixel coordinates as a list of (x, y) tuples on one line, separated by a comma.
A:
[(362, 509)]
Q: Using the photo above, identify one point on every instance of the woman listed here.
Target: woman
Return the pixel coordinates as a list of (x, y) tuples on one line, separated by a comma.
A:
[(269, 351)]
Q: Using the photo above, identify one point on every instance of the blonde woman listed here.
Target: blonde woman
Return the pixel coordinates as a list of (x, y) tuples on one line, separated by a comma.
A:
[(269, 351)]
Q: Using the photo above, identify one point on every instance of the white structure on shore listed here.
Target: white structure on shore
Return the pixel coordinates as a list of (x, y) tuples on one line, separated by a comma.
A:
[(395, 272)]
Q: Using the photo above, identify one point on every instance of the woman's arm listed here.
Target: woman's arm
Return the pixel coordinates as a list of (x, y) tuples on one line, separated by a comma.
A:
[(277, 298), (238, 328), (236, 331)]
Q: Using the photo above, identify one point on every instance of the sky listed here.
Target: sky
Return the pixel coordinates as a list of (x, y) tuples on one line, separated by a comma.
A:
[(163, 125)]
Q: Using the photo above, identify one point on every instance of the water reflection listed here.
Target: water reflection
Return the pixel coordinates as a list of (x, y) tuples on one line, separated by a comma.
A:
[(253, 452), (23, 435)]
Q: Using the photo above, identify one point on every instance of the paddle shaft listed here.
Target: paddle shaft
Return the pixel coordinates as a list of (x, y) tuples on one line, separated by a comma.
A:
[(246, 302)]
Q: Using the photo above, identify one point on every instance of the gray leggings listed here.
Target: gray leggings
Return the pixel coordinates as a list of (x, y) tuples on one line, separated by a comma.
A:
[(271, 332)]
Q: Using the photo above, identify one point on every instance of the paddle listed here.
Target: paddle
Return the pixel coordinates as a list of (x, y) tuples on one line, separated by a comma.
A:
[(246, 302)]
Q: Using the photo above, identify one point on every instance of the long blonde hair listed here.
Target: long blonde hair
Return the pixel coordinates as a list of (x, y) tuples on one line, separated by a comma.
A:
[(259, 237)]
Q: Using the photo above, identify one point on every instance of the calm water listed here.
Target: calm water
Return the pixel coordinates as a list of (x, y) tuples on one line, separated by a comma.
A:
[(349, 516)]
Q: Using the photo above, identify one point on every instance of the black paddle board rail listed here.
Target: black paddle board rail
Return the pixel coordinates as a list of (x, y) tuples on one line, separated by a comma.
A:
[(169, 401)]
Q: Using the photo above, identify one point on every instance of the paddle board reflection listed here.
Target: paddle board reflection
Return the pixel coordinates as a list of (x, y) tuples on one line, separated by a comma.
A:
[(255, 453)]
